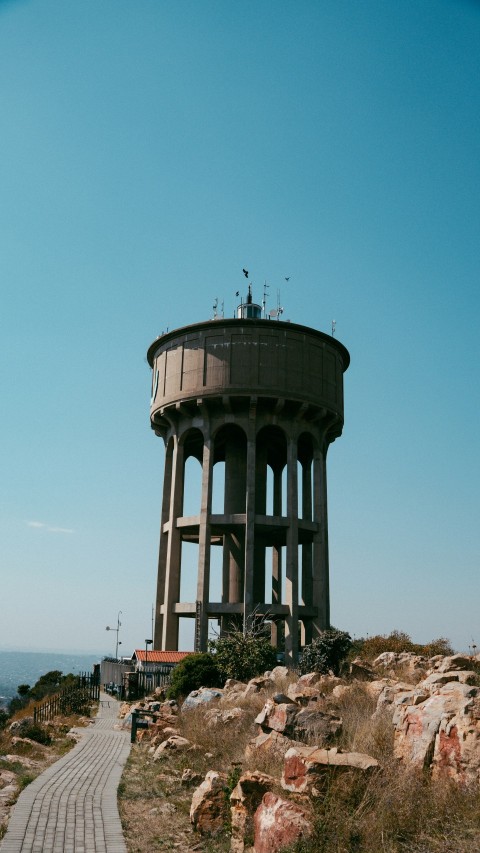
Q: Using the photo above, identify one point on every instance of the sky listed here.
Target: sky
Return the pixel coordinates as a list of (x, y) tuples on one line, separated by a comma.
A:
[(150, 151)]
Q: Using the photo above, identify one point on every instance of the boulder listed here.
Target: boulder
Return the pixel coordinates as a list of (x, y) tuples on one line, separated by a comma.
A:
[(305, 767), (189, 777), (244, 801), (390, 692), (9, 787), (279, 823), (441, 677), (279, 674), (229, 717), (209, 809), (202, 697), (310, 685), (452, 662), (442, 733), (269, 744), (376, 688), (232, 684), (341, 691), (385, 660), (313, 726), (305, 695), (19, 726), (279, 718), (173, 743), (258, 685), (361, 671), (281, 699)]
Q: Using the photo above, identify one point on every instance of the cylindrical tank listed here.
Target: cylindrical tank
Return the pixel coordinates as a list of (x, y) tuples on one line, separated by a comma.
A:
[(263, 397)]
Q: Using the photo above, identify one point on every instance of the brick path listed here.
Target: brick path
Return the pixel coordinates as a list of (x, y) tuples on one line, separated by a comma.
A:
[(72, 806)]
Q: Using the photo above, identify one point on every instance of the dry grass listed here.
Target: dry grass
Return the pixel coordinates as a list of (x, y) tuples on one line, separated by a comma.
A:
[(154, 805), (389, 811), (395, 811), (361, 732)]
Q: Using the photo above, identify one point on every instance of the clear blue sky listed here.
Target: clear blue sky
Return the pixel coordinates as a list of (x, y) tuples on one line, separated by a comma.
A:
[(149, 151)]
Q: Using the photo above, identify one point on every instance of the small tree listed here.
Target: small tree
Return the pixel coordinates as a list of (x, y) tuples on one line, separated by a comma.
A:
[(194, 671), (244, 654), (327, 652)]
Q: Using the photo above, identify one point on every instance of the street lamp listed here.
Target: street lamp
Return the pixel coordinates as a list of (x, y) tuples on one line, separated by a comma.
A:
[(117, 629), (147, 643)]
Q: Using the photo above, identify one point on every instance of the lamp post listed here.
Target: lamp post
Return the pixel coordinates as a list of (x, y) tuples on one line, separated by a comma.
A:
[(147, 643), (117, 629)]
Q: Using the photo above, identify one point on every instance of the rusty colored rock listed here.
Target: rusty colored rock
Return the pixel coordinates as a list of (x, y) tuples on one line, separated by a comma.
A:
[(279, 718), (209, 809), (305, 767), (244, 801), (269, 743), (279, 823), (442, 733)]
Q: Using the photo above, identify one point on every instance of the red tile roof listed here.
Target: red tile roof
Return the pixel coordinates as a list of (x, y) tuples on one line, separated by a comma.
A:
[(160, 657)]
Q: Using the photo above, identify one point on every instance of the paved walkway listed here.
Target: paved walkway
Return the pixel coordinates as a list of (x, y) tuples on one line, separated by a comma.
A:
[(72, 806)]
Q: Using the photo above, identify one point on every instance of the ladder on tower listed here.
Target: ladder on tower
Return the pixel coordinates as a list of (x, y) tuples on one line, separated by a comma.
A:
[(198, 625)]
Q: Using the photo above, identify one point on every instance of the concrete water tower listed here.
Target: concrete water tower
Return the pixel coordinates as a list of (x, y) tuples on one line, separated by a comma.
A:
[(265, 397)]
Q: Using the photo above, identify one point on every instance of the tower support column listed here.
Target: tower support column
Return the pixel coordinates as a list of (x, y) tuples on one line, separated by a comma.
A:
[(174, 550), (291, 585), (320, 579), (204, 545), (248, 599)]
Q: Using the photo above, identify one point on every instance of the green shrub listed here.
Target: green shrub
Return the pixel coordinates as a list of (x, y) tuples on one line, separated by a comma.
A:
[(243, 656), (37, 733), (327, 652), (194, 671)]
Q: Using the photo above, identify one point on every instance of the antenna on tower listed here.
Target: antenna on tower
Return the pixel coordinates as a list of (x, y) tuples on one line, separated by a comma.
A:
[(277, 312), (334, 323), (215, 306), (264, 302), (279, 307)]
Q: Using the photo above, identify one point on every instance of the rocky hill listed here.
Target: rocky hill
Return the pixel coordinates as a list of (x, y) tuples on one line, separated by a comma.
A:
[(385, 758)]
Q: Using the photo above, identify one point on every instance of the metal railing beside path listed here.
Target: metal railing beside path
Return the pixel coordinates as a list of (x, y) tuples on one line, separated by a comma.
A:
[(74, 699)]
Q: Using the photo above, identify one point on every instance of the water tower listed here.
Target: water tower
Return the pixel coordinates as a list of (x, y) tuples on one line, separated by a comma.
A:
[(264, 397)]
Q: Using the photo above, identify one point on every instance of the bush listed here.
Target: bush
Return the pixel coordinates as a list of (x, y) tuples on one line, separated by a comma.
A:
[(243, 656), (399, 641), (194, 671), (327, 652), (37, 733)]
